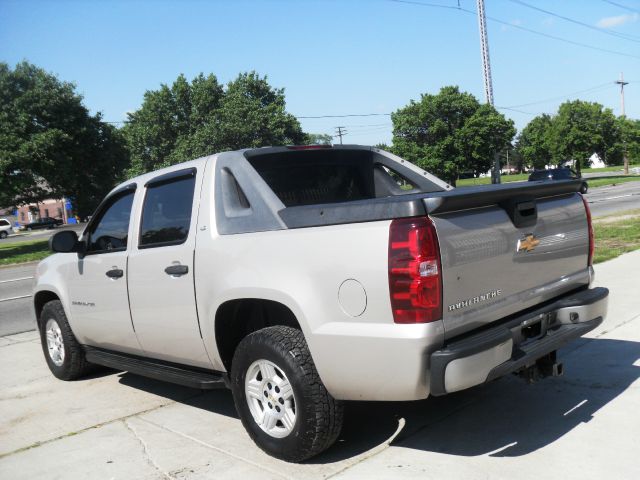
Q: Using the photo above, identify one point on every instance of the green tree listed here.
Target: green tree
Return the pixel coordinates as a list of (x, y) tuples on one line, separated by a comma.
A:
[(50, 146), (188, 120), (581, 129), (449, 133), (318, 139), (630, 138), (534, 142)]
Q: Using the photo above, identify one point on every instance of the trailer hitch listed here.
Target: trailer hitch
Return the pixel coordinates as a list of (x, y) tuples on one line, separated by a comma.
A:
[(546, 366)]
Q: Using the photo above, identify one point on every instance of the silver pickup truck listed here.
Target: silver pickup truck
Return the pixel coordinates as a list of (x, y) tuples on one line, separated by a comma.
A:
[(302, 277)]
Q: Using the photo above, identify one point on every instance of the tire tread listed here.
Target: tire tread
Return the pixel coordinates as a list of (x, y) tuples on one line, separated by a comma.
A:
[(329, 412), (77, 366)]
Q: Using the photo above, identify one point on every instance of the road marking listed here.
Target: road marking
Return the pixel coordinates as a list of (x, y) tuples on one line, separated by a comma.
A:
[(16, 279), (575, 408), (14, 298), (619, 196)]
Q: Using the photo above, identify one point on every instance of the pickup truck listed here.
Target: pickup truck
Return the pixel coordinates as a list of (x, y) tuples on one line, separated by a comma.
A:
[(304, 277)]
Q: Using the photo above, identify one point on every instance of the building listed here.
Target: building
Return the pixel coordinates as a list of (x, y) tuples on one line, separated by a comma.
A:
[(54, 208)]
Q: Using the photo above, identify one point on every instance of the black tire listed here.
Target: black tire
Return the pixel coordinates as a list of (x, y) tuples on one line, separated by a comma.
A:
[(74, 364), (29, 229), (584, 188), (318, 415), (3, 234)]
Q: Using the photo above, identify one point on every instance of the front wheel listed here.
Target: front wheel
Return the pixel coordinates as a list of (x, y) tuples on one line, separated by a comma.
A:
[(3, 234), (584, 188), (280, 398), (63, 353)]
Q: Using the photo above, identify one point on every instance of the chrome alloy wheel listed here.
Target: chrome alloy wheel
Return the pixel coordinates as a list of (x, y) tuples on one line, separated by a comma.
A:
[(270, 398), (55, 344)]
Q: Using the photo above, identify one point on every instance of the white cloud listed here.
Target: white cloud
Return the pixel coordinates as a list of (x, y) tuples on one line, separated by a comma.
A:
[(608, 22)]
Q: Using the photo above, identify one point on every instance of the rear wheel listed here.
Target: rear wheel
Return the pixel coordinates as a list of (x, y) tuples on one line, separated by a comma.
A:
[(63, 353), (280, 398)]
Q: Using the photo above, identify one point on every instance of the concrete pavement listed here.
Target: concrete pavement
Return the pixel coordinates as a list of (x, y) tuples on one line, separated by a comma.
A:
[(117, 425)]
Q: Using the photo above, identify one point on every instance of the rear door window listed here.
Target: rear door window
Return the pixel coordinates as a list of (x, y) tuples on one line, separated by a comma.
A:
[(166, 213)]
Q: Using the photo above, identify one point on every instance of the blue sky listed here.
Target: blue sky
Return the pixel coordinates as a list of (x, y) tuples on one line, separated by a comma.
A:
[(333, 57)]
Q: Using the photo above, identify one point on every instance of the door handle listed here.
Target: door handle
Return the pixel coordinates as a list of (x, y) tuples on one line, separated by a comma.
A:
[(115, 273), (176, 270)]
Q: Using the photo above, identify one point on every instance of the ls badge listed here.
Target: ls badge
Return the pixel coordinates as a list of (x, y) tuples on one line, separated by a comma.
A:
[(528, 243)]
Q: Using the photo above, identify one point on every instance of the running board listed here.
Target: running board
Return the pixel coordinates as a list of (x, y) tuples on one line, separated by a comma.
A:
[(157, 369)]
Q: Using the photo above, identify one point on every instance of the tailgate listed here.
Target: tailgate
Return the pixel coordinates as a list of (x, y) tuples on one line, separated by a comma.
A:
[(495, 262)]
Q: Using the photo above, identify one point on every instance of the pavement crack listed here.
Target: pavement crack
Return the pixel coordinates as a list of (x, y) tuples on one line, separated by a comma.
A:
[(372, 452), (86, 429), (213, 447), (145, 451)]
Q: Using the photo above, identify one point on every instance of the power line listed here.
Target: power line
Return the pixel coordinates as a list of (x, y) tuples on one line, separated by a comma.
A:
[(622, 6), (513, 108), (370, 125), (520, 27), (518, 111), (426, 4), (348, 115), (577, 22), (561, 97)]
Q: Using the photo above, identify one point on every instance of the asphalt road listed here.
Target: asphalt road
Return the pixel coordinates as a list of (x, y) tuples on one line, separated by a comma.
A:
[(16, 311), (43, 234), (614, 199)]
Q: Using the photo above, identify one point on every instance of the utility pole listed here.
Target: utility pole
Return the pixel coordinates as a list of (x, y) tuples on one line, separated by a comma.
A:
[(622, 83), (340, 131), (486, 73)]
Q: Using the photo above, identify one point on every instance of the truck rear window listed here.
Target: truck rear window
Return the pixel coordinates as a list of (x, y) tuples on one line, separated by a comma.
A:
[(307, 178), (331, 176)]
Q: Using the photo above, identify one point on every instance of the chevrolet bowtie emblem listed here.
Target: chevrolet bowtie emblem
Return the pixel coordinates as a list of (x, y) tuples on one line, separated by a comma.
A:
[(528, 243)]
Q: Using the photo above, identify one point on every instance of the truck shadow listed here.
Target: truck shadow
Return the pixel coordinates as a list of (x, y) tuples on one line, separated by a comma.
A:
[(506, 418)]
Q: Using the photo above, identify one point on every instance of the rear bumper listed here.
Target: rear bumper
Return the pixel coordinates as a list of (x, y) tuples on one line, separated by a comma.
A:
[(516, 343)]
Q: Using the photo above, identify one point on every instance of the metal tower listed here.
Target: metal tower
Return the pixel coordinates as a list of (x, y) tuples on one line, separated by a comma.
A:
[(484, 51), (486, 73)]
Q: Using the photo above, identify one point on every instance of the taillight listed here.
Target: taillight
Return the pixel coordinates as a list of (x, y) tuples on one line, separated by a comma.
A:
[(592, 243), (415, 276)]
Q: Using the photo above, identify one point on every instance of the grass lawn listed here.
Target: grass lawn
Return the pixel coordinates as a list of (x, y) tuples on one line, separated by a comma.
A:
[(601, 182), (617, 168), (616, 234), (22, 252), (465, 182), (593, 183)]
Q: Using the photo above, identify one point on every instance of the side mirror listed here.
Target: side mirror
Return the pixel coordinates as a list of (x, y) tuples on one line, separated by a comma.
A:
[(65, 242)]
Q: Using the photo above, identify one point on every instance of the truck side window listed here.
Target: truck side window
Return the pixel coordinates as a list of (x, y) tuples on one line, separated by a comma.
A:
[(111, 229), (166, 213)]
